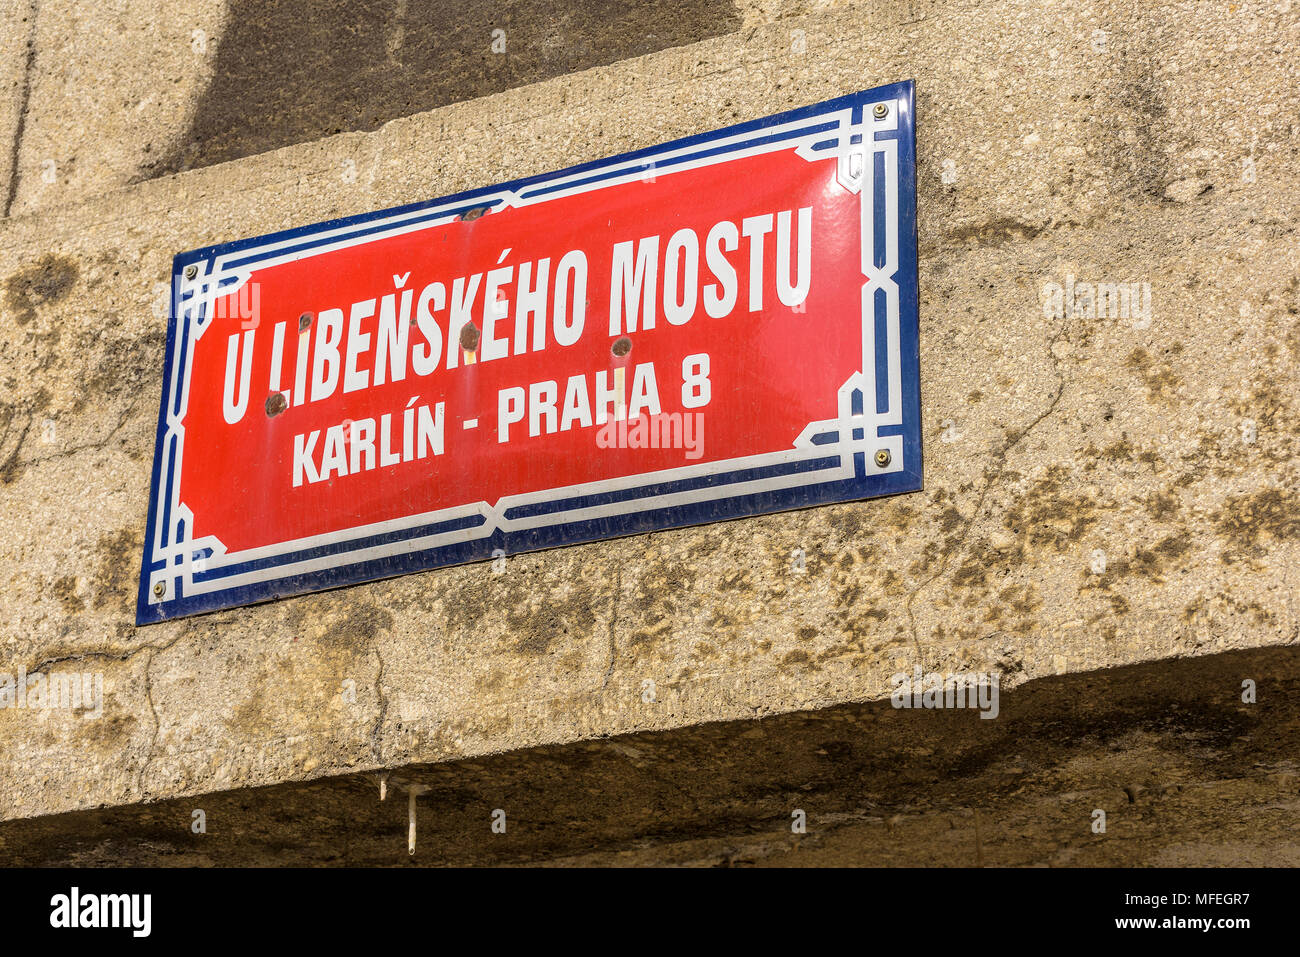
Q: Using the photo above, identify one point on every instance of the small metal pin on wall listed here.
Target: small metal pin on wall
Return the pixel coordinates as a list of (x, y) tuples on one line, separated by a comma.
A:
[(882, 458), (881, 110), (412, 793)]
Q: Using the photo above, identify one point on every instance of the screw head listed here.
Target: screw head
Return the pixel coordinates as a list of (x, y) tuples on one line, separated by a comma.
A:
[(882, 457), (191, 272), (881, 110), (160, 589)]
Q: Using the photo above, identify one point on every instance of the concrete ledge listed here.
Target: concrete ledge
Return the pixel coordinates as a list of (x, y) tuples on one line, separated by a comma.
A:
[(1185, 773)]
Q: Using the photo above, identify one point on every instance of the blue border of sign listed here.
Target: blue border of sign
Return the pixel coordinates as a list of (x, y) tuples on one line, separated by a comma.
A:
[(862, 485)]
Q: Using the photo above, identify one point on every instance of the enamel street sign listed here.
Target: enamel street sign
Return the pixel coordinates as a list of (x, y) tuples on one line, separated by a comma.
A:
[(717, 327)]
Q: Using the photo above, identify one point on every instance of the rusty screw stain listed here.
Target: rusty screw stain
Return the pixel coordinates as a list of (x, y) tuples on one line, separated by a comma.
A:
[(472, 214), (881, 111), (621, 347), (305, 321), (160, 589), (275, 404), (882, 458), (469, 338), (191, 272)]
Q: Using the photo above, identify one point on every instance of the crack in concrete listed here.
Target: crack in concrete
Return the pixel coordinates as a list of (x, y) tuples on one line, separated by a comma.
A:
[(97, 445), (997, 467), (155, 651), (613, 621), (376, 733), (157, 725), (40, 667), (9, 467), (20, 126)]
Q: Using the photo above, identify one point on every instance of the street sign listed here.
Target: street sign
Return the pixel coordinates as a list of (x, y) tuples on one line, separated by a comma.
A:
[(718, 327)]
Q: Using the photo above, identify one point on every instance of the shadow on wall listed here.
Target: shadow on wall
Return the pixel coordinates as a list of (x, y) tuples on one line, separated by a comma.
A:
[(290, 72)]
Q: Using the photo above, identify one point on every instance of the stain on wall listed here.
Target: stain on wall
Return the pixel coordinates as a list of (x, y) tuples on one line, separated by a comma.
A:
[(289, 72)]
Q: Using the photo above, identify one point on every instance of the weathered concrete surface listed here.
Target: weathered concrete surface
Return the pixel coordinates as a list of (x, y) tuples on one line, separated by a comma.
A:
[(1185, 772), (1041, 157), (17, 53), (123, 90), (287, 72), (104, 91)]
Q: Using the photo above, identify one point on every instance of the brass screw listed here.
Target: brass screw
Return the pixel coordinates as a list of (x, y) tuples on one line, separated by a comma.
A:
[(881, 111), (882, 458), (160, 589), (191, 272)]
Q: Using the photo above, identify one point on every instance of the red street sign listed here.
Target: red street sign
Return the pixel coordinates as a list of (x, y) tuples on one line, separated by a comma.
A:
[(717, 327)]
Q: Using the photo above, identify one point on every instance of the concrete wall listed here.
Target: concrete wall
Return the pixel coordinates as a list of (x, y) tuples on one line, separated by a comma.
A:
[(1095, 139), (120, 91), (102, 92)]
